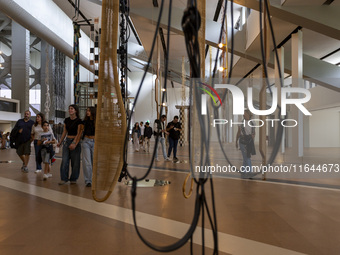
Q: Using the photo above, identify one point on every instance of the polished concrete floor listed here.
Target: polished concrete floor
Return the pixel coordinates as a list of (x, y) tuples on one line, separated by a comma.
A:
[(273, 216)]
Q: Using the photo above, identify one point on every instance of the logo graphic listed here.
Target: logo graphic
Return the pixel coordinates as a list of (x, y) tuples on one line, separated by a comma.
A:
[(204, 98), (213, 90), (238, 99)]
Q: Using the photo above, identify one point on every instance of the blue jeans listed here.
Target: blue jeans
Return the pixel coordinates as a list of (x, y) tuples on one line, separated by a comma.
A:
[(37, 149), (172, 144), (87, 148), (74, 156), (161, 140)]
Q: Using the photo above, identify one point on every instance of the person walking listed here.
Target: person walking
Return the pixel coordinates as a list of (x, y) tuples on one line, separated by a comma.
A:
[(46, 142), (37, 130), (88, 144), (136, 135), (141, 139), (3, 140), (160, 131), (245, 138), (147, 137), (174, 128), (8, 140), (23, 129), (73, 128)]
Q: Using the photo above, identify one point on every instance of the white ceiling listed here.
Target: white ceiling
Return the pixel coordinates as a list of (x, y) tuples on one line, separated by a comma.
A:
[(314, 44)]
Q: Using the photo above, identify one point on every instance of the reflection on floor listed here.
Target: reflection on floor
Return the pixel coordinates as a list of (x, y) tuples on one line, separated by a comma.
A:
[(254, 216)]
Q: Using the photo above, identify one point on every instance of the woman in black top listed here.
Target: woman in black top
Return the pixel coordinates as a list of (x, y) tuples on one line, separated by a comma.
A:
[(88, 144), (73, 127), (136, 135)]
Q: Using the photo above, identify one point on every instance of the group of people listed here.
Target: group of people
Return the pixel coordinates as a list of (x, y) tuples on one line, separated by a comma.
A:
[(142, 135), (4, 140), (76, 140)]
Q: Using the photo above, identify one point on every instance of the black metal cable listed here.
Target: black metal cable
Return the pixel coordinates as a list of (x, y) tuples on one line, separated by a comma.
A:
[(191, 246), (200, 197), (280, 127), (215, 68), (137, 95), (203, 198), (215, 231), (263, 53), (180, 242), (232, 42), (191, 16), (198, 203)]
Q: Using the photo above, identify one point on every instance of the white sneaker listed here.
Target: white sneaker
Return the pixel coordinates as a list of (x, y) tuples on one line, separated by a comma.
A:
[(156, 159), (37, 171), (167, 159), (49, 175), (45, 177)]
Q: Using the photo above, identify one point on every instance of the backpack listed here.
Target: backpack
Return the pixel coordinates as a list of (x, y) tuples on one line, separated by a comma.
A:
[(13, 137)]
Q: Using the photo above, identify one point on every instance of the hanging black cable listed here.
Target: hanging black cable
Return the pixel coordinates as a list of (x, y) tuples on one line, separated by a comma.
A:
[(122, 50), (200, 197), (190, 26), (280, 128), (215, 68), (198, 203)]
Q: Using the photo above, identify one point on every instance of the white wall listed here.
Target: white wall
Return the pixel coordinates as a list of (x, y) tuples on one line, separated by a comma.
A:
[(145, 108), (324, 128), (49, 14), (175, 98), (322, 98), (253, 27), (85, 75), (6, 127)]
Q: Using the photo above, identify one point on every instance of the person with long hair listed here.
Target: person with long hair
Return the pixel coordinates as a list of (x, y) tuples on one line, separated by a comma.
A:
[(88, 144), (136, 135), (37, 130), (73, 128), (160, 131)]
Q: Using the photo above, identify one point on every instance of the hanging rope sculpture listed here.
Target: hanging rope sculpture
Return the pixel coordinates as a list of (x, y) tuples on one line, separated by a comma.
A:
[(76, 37), (47, 94), (111, 118), (191, 186), (182, 116)]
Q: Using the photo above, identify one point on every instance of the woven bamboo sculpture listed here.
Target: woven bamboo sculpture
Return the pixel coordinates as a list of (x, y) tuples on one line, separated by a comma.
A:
[(111, 117)]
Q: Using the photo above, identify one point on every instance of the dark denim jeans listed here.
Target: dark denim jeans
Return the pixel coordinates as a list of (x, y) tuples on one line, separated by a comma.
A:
[(37, 156), (74, 156), (172, 144)]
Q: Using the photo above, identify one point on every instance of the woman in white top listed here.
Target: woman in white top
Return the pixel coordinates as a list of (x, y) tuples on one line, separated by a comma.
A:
[(37, 130)]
